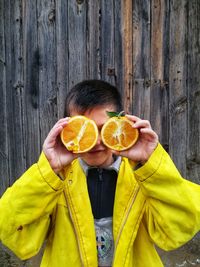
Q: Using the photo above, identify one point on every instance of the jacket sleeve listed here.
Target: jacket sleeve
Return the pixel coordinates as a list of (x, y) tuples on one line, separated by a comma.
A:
[(172, 210), (25, 209)]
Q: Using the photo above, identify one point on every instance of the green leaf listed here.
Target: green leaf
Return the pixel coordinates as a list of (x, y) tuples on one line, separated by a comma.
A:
[(115, 114)]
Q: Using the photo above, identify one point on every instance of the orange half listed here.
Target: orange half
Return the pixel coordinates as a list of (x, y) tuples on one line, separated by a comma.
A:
[(80, 134), (118, 133)]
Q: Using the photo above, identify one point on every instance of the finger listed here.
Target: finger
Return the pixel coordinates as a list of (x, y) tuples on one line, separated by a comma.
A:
[(123, 153), (142, 124), (62, 121), (120, 153), (133, 118), (55, 131), (149, 132), (117, 153), (52, 136)]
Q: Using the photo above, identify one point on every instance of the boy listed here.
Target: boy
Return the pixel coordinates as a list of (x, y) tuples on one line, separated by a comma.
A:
[(100, 208)]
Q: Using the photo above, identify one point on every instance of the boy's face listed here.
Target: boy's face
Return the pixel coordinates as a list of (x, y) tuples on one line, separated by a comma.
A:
[(100, 155)]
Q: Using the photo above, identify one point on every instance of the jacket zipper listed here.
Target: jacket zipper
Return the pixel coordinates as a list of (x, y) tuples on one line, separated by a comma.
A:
[(100, 171), (124, 221), (99, 190), (76, 234)]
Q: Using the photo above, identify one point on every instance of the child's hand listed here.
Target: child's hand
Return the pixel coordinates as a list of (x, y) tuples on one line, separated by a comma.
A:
[(57, 155), (146, 144)]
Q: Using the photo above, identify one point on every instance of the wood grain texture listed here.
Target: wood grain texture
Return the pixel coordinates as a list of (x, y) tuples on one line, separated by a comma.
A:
[(47, 66), (107, 41), (77, 42), (193, 83), (177, 82), (14, 89), (141, 64), (159, 70), (127, 35), (4, 153), (93, 25), (31, 65), (62, 55)]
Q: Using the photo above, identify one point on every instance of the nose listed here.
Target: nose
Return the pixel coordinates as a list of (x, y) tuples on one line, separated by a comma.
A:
[(99, 142)]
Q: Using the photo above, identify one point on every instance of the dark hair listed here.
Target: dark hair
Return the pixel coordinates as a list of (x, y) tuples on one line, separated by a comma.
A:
[(92, 93)]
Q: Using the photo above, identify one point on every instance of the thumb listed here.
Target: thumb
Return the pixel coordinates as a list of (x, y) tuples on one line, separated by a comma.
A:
[(119, 153)]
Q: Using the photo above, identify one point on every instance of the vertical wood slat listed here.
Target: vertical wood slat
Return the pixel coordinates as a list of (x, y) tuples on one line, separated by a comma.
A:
[(141, 59), (47, 71), (18, 161), (3, 110), (159, 81), (31, 62), (193, 77), (107, 41), (93, 39), (127, 31), (62, 59), (177, 82), (14, 88), (118, 58), (77, 41)]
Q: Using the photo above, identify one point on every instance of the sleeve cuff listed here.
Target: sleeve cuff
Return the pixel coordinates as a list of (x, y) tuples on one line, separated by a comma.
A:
[(48, 174), (151, 166)]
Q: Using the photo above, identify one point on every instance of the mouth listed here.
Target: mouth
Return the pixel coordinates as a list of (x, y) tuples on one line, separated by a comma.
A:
[(96, 151)]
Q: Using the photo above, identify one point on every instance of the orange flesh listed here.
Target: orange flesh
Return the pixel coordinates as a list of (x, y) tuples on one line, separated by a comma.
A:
[(79, 135), (118, 133)]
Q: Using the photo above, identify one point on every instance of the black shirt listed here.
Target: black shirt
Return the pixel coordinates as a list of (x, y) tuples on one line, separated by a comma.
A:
[(101, 188)]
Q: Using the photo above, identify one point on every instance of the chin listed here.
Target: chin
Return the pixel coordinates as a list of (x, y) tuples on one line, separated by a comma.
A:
[(95, 159), (93, 162)]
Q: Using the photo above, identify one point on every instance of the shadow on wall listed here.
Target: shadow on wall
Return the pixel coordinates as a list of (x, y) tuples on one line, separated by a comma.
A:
[(186, 256)]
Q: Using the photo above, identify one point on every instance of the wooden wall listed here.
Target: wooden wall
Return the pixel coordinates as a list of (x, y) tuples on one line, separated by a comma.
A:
[(150, 49), (161, 74)]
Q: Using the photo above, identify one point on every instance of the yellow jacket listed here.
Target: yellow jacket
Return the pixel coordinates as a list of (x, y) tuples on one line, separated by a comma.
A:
[(153, 205)]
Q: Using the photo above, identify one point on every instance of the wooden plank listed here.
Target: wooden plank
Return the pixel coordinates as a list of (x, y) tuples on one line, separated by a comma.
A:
[(77, 42), (127, 33), (141, 59), (107, 41), (93, 39), (118, 54), (14, 89), (159, 62), (31, 62), (177, 83), (47, 66), (193, 77), (62, 55), (3, 110), (140, 105)]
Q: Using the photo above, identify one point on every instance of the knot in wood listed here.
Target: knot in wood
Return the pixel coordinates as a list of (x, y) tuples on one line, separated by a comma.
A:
[(111, 72), (147, 83), (52, 15), (79, 2)]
